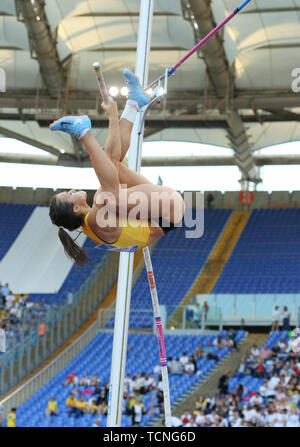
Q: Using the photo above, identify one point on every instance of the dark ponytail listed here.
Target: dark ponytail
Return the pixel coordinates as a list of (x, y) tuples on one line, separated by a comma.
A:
[(72, 250), (62, 215)]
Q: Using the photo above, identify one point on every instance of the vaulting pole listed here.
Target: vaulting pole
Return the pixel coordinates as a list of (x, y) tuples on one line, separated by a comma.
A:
[(126, 259)]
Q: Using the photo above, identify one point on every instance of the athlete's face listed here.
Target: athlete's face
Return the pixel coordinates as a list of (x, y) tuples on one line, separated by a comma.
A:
[(74, 196)]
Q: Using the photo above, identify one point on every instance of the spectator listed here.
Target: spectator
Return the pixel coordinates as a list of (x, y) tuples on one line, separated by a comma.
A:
[(199, 352), (197, 315), (228, 342), (189, 368), (218, 343), (275, 350), (260, 370), (52, 410), (243, 368), (150, 382), (95, 380), (12, 418), (5, 290), (254, 352), (177, 367), (286, 319), (96, 423), (192, 422), (72, 379), (92, 407), (186, 417), (29, 304), (85, 381), (275, 319), (176, 422), (184, 359), (81, 407), (208, 349), (193, 360), (223, 383), (201, 404), (169, 363), (283, 345), (205, 309), (138, 411), (265, 352), (232, 336), (102, 402), (9, 300), (71, 404)]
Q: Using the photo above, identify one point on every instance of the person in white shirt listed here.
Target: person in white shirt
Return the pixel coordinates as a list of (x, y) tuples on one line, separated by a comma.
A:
[(13, 310), (249, 413), (228, 342), (266, 391), (283, 345), (127, 383), (218, 343), (9, 301), (150, 382), (275, 319), (29, 304), (256, 399), (254, 352), (176, 422), (293, 418), (138, 410), (201, 419), (235, 419), (184, 358), (280, 418), (177, 367), (189, 368), (273, 382), (192, 422)]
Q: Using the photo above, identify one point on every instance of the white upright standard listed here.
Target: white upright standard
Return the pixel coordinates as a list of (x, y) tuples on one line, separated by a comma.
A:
[(126, 259)]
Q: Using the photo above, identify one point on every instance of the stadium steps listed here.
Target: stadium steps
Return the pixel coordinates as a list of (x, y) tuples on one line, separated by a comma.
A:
[(208, 384), (212, 269)]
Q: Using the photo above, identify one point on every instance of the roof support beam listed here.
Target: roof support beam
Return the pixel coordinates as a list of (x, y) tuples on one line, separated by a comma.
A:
[(199, 13), (194, 160), (85, 99), (38, 144), (42, 43)]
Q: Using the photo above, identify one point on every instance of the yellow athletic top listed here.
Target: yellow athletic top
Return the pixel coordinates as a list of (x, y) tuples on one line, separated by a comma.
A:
[(11, 420), (132, 237)]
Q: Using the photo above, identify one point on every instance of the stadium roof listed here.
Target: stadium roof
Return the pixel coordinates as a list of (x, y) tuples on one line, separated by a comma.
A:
[(236, 93)]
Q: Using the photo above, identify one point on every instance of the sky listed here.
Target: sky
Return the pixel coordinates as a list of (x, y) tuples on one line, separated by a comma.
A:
[(219, 178)]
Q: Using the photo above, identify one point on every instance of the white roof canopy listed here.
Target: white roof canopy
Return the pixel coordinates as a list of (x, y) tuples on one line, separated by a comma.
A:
[(260, 47)]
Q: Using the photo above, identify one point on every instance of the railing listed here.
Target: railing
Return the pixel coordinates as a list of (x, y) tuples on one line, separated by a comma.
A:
[(25, 391), (30, 348), (250, 309), (143, 318)]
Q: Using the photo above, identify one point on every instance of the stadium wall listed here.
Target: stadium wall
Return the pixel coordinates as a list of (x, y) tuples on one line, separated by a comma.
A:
[(227, 200)]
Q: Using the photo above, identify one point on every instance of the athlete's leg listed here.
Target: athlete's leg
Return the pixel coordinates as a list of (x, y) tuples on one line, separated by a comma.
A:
[(131, 178), (136, 99), (153, 202), (80, 127)]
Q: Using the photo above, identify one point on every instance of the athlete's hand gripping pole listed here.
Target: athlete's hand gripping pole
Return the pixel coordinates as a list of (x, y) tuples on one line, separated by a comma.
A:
[(101, 82)]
